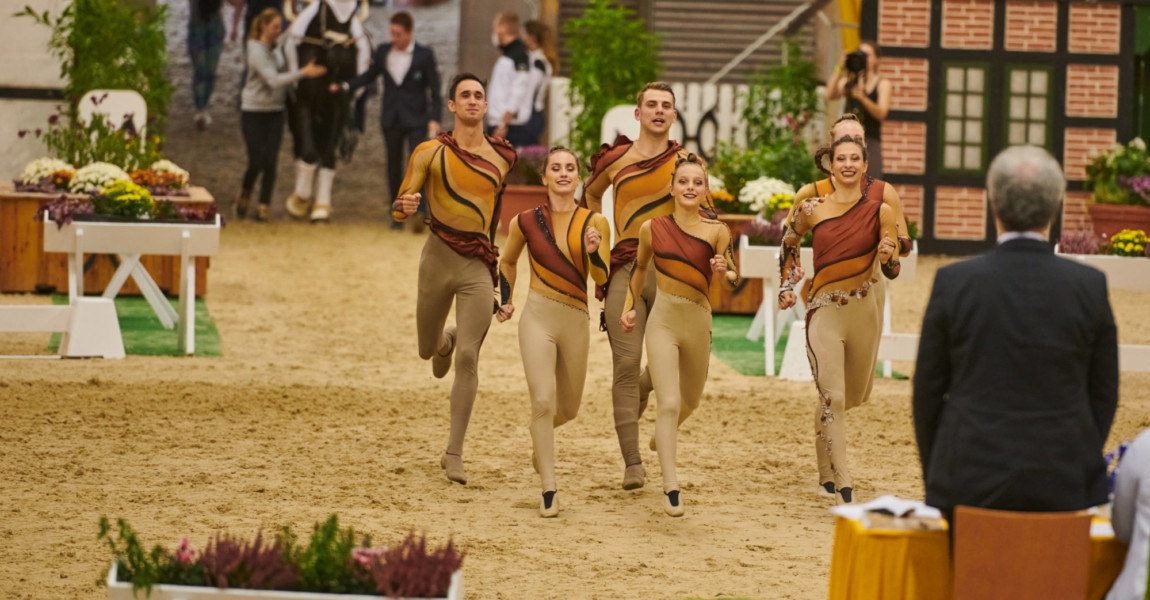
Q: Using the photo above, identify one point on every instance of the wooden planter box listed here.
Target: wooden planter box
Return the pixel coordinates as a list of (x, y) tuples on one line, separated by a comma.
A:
[(745, 299), (1122, 272), (121, 590), (1109, 219), (516, 199), (25, 267)]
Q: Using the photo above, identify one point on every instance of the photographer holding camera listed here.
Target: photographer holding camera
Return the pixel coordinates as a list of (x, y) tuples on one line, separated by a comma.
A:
[(867, 95)]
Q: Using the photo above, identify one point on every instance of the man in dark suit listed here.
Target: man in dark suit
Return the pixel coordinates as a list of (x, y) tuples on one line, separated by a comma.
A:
[(411, 102), (1017, 376)]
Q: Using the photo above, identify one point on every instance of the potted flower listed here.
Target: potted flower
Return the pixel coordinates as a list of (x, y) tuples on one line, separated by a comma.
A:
[(163, 178), (45, 175), (1120, 181), (333, 562), (1121, 256)]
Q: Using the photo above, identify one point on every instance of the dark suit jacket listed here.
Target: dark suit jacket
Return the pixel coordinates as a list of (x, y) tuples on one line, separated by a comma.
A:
[(1016, 383), (409, 103)]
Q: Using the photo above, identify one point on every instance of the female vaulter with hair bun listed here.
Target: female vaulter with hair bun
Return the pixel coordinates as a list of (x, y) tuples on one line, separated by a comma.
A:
[(564, 244), (688, 250)]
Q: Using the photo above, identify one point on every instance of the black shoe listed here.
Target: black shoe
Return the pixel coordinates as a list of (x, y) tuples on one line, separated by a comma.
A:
[(845, 493), (827, 488)]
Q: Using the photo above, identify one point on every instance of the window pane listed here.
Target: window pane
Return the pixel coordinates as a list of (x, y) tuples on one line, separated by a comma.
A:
[(974, 80), (1018, 82), (1038, 108), (954, 77), (1038, 134), (1017, 133), (953, 130), (974, 106), (1038, 82), (973, 132), (952, 157), (1018, 107), (954, 105), (972, 157)]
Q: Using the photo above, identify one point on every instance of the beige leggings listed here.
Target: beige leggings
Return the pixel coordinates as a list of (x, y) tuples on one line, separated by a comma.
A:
[(678, 355), (626, 357), (445, 275), (553, 339), (842, 345)]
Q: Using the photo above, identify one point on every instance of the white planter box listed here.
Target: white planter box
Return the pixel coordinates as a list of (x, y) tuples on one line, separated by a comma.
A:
[(121, 590), (1122, 272)]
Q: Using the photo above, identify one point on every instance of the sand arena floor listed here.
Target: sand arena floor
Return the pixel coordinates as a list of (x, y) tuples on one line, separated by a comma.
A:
[(320, 405)]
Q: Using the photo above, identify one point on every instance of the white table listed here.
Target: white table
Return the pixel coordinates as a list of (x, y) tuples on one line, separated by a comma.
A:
[(762, 262), (130, 241)]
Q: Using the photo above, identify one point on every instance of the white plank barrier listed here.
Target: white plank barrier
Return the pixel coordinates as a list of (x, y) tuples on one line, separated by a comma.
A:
[(89, 326), (130, 241), (762, 262)]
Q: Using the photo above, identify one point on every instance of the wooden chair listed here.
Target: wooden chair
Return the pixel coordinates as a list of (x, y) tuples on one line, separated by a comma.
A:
[(1020, 555)]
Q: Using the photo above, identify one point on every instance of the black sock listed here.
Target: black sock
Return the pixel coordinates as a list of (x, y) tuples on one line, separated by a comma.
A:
[(829, 486), (548, 497), (846, 492), (673, 496)]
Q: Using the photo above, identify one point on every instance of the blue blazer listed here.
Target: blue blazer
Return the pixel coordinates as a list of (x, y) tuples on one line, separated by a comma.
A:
[(409, 103)]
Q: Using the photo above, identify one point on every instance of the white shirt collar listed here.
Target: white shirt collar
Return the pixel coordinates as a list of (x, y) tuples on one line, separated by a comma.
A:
[(1021, 235)]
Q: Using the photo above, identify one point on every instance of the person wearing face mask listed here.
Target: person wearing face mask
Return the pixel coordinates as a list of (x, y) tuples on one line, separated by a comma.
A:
[(867, 94), (639, 175), (854, 245), (262, 105), (463, 170), (687, 250), (565, 245), (511, 86)]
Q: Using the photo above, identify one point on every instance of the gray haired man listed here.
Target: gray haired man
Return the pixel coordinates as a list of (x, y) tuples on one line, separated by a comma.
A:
[(1016, 382)]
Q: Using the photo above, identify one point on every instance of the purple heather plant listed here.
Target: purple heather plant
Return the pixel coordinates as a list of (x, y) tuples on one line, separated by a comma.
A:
[(409, 570), (62, 208), (1078, 242), (44, 186), (232, 562)]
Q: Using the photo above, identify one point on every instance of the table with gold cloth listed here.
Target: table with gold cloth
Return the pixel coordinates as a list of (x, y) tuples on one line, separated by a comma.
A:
[(894, 564)]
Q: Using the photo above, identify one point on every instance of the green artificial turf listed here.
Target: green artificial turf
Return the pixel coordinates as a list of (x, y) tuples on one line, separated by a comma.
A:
[(729, 342), (144, 334)]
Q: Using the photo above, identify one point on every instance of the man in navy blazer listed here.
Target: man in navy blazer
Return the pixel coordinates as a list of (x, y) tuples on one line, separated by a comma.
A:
[(411, 102), (1016, 382)]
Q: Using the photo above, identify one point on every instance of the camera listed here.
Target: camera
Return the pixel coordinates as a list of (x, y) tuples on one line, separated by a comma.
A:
[(856, 62)]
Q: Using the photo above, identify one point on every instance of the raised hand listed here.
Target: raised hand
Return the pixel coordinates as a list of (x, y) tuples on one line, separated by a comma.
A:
[(787, 299), (408, 203), (886, 249), (591, 239), (719, 264)]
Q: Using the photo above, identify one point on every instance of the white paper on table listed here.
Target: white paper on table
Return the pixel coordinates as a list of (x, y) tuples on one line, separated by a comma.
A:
[(894, 504)]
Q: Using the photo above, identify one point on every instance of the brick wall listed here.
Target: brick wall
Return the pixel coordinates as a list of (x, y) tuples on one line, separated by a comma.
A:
[(1080, 144), (1074, 215), (908, 82), (967, 24), (1031, 26), (904, 147), (1091, 91), (959, 213), (1095, 28), (911, 197), (904, 23)]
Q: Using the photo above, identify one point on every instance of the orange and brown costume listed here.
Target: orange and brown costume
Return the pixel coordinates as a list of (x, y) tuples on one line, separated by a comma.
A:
[(554, 336), (459, 259), (844, 313), (641, 191), (677, 355)]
